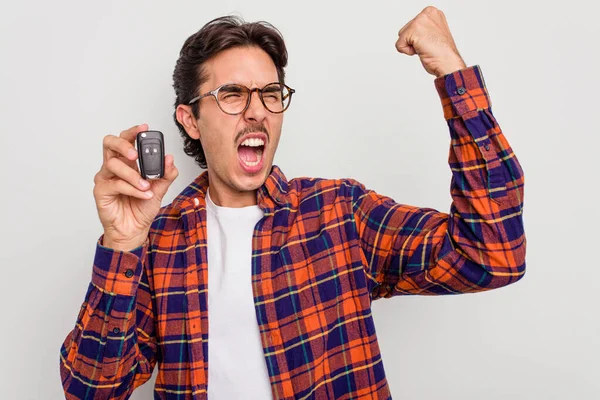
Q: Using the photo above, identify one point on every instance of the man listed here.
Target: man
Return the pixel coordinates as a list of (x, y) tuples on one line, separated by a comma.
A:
[(251, 286)]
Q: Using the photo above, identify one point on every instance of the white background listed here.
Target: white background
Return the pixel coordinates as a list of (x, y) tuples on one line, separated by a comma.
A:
[(72, 72)]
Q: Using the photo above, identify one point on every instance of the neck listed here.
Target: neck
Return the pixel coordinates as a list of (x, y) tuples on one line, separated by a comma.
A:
[(224, 196)]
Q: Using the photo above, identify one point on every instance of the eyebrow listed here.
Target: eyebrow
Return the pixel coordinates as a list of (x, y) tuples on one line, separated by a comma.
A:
[(273, 89), (232, 87)]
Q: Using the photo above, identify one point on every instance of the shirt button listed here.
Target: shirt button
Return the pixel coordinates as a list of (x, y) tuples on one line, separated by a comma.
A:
[(116, 331), (129, 273), (196, 202), (487, 146), (461, 90)]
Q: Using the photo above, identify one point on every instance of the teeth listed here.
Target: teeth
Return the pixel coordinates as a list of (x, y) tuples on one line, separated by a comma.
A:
[(255, 142)]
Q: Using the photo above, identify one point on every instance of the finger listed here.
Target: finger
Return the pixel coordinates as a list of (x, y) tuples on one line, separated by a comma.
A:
[(102, 176), (404, 42), (115, 146), (131, 133), (128, 135), (160, 186), (119, 169), (120, 187), (171, 171)]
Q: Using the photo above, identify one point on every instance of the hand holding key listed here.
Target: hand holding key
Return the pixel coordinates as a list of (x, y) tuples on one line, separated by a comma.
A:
[(127, 203)]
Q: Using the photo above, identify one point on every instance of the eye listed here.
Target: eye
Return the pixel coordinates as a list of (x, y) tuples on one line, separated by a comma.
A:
[(232, 92), (272, 94)]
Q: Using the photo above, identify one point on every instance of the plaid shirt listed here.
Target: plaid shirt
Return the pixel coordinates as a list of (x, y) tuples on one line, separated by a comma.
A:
[(324, 250)]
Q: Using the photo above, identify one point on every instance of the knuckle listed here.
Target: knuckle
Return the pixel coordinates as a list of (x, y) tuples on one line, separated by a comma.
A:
[(122, 187), (126, 132), (106, 140), (122, 146), (430, 10), (420, 19), (112, 163), (97, 190)]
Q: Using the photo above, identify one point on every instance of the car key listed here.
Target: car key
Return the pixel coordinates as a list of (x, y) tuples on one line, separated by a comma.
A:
[(151, 150)]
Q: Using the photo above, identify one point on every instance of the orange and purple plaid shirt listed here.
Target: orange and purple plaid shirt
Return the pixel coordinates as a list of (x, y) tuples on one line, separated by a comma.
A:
[(324, 250)]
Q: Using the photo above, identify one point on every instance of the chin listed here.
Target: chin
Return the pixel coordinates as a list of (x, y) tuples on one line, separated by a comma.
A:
[(245, 182)]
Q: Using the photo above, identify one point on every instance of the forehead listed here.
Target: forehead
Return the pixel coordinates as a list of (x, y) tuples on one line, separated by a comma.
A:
[(250, 66)]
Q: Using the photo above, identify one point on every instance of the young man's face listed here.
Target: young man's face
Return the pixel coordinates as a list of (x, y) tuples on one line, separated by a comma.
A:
[(238, 168)]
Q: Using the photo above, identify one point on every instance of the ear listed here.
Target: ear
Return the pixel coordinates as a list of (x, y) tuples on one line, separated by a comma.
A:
[(186, 118)]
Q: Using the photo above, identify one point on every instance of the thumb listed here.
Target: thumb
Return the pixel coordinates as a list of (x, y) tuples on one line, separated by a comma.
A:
[(160, 186), (403, 47)]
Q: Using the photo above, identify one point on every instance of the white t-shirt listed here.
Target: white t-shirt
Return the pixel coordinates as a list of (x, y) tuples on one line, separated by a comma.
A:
[(236, 364)]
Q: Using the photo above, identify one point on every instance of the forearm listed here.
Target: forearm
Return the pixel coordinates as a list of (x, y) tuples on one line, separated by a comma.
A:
[(111, 351), (482, 244)]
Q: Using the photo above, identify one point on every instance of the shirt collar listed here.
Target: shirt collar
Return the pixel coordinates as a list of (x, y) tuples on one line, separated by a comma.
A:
[(273, 192)]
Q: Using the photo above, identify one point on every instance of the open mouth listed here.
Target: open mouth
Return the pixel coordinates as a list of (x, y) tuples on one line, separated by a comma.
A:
[(250, 153)]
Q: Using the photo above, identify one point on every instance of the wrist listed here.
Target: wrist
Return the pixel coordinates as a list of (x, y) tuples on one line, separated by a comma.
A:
[(125, 245), (450, 68)]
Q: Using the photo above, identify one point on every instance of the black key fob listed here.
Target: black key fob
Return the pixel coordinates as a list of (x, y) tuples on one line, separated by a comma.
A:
[(151, 154)]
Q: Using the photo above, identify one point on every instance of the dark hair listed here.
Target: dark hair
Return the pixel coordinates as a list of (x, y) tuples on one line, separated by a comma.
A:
[(217, 35)]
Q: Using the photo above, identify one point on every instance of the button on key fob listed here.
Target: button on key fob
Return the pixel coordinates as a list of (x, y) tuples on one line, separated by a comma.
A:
[(151, 151)]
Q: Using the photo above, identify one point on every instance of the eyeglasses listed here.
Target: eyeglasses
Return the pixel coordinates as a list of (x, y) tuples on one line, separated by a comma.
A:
[(234, 99)]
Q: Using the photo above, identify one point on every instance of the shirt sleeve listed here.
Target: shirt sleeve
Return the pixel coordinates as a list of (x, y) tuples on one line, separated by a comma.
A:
[(480, 244), (112, 348)]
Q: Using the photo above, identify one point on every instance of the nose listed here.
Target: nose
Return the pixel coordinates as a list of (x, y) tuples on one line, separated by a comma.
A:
[(256, 111)]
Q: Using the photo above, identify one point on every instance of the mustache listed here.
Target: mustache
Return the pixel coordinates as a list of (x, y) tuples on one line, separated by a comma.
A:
[(250, 129)]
